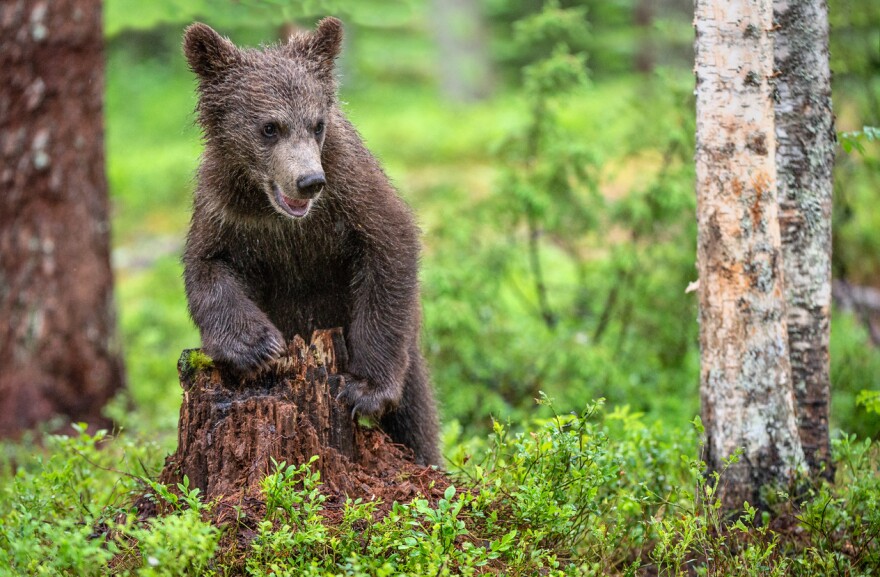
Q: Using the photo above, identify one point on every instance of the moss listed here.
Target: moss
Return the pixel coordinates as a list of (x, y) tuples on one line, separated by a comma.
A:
[(198, 360)]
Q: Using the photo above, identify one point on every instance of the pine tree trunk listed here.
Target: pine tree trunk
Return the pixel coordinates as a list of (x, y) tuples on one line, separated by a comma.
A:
[(745, 380), (804, 160), (58, 348)]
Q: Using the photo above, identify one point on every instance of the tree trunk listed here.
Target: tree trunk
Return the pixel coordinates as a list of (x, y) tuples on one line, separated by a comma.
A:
[(465, 71), (804, 160), (646, 45), (230, 431), (58, 348), (745, 379)]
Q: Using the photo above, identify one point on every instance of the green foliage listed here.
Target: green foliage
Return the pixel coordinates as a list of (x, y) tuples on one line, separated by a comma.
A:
[(65, 547), (67, 512), (583, 486), (544, 182), (412, 539), (853, 140), (56, 510), (291, 493), (152, 143), (854, 369), (843, 522), (853, 49), (549, 301), (593, 493), (695, 529), (870, 400), (856, 85), (551, 27), (180, 544), (183, 499), (745, 548), (554, 500), (122, 15), (156, 328), (623, 33), (580, 495)]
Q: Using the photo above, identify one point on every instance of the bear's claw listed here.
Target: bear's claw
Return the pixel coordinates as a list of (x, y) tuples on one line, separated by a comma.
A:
[(365, 399)]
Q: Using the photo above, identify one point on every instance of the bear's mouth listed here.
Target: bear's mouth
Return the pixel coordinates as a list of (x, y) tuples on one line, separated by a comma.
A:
[(295, 207)]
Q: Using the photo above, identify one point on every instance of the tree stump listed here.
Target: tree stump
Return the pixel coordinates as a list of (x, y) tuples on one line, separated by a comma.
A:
[(231, 429)]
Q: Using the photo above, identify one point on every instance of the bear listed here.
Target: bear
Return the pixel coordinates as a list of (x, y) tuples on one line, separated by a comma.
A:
[(296, 227)]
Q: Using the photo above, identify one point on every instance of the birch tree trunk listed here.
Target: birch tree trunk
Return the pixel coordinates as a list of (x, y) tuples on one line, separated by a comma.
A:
[(58, 350), (804, 159), (745, 379)]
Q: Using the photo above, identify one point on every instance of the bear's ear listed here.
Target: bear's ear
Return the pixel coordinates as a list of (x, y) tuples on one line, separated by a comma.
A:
[(208, 53), (321, 47), (326, 41)]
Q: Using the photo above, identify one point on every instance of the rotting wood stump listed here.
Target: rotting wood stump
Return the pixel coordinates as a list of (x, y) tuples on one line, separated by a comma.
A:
[(231, 429)]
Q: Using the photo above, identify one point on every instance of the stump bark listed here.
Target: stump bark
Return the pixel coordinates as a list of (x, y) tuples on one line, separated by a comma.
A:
[(231, 429)]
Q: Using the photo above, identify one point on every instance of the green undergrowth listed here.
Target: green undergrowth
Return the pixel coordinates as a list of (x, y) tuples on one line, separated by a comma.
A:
[(593, 493)]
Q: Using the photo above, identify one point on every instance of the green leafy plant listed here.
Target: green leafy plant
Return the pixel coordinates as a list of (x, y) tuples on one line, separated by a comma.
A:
[(179, 544), (695, 533), (855, 139), (843, 521), (293, 493), (58, 509), (547, 172)]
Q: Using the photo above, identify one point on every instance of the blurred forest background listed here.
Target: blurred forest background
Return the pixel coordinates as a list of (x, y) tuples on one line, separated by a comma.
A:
[(551, 169)]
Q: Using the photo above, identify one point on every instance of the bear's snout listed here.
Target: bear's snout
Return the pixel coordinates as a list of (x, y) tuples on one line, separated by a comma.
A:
[(310, 185)]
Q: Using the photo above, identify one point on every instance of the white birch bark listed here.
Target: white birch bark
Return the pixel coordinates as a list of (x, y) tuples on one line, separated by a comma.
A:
[(745, 380), (804, 160)]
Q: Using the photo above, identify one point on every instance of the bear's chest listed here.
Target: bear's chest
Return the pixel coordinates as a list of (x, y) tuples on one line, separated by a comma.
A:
[(303, 280), (299, 259)]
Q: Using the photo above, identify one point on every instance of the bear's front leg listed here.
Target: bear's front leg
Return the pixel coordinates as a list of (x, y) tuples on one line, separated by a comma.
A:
[(235, 332), (384, 324), (371, 396)]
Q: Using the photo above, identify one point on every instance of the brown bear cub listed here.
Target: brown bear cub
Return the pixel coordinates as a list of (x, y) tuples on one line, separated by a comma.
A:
[(295, 227)]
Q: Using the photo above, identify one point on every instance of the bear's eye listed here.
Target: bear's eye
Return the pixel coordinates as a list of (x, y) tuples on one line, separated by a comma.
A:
[(269, 130), (319, 128)]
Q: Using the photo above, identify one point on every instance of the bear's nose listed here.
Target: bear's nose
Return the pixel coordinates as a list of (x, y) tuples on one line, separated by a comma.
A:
[(310, 185)]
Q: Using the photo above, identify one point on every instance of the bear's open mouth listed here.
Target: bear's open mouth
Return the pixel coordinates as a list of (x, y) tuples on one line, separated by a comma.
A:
[(297, 207)]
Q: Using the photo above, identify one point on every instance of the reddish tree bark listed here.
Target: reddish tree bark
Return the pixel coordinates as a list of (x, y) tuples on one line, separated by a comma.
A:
[(58, 349)]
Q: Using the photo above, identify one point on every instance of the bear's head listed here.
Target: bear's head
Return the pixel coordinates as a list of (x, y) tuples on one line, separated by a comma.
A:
[(266, 113)]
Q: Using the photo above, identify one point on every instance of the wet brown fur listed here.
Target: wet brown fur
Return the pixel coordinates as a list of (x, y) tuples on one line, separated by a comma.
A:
[(255, 277)]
